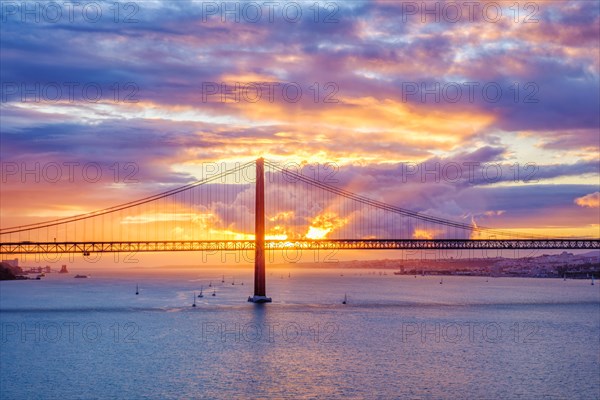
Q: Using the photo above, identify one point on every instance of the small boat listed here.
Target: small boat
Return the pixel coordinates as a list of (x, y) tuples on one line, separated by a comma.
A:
[(200, 295), (441, 281), (210, 284), (592, 280), (223, 279), (137, 290), (345, 299), (233, 281), (81, 276), (214, 292), (194, 305)]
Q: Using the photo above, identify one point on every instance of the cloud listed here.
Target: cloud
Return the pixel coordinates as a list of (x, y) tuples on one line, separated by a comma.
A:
[(375, 132), (591, 200)]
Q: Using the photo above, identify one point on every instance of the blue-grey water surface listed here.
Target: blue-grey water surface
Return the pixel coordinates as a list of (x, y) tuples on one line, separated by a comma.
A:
[(398, 337)]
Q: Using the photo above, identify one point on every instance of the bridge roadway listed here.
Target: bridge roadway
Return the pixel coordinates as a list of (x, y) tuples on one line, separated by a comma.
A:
[(87, 248)]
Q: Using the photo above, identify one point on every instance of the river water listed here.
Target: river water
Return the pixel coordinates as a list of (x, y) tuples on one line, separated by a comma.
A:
[(397, 336)]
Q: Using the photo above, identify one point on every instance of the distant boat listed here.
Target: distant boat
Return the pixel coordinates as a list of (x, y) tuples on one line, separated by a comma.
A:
[(398, 273), (345, 299), (233, 281), (210, 284), (441, 281), (289, 275), (223, 280), (564, 277), (200, 295), (137, 290), (214, 292), (592, 280), (81, 276), (194, 305)]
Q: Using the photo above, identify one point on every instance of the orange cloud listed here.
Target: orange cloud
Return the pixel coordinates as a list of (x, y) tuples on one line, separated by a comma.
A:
[(422, 234), (324, 224), (277, 232), (591, 200)]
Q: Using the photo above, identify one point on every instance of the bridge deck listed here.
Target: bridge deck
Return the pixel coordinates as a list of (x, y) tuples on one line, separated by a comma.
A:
[(248, 245)]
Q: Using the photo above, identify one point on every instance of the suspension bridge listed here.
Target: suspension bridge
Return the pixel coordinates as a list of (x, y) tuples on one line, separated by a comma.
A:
[(263, 206)]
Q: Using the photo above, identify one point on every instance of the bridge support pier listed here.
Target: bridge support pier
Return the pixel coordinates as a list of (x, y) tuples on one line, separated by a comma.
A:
[(260, 295)]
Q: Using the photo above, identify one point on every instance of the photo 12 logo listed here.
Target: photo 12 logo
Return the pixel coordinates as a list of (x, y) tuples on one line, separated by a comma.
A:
[(254, 92), (291, 332), (270, 12), (69, 92), (124, 257), (71, 12), (68, 331), (469, 92), (469, 11), (68, 171), (470, 332), (472, 172)]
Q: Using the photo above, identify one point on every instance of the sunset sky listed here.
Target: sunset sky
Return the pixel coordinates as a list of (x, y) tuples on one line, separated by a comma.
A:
[(490, 116)]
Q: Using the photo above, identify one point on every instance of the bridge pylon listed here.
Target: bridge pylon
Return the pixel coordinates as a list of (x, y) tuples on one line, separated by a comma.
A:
[(260, 295)]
